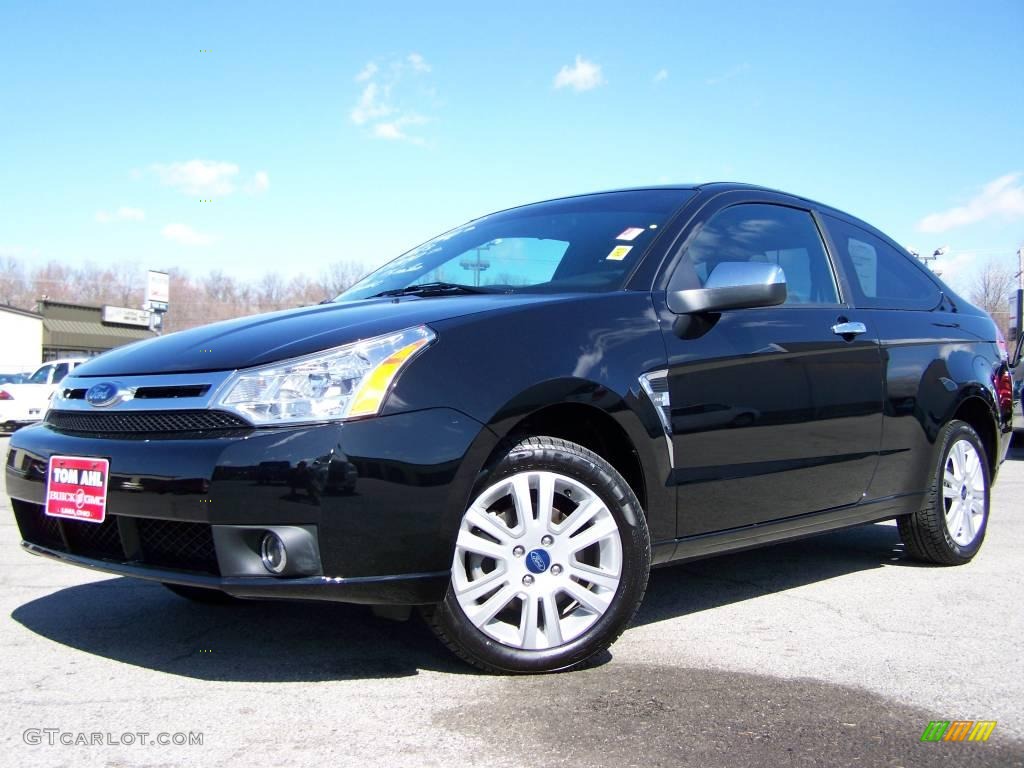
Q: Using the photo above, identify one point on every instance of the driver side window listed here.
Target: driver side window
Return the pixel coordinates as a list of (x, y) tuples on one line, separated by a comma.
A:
[(767, 233)]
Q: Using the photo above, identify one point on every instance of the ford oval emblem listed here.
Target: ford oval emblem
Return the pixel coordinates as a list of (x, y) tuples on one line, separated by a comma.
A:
[(102, 394), (537, 561)]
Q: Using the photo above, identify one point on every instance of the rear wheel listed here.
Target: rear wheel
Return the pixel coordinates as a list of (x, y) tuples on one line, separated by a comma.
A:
[(551, 562), (950, 527), (200, 594)]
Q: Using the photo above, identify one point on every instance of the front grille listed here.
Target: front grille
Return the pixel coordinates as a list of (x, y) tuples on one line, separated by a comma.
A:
[(164, 543), (144, 422), (173, 544)]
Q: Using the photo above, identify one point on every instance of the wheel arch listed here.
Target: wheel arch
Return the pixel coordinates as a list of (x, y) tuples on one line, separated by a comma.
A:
[(623, 430), (976, 409)]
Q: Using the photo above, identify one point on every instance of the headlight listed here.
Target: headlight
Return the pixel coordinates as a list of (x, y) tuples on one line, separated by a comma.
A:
[(341, 383)]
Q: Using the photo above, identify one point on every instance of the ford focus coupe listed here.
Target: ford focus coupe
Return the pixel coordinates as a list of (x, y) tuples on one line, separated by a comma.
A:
[(509, 425)]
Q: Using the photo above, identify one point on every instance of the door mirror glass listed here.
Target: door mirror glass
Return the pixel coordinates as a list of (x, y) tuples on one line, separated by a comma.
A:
[(733, 285)]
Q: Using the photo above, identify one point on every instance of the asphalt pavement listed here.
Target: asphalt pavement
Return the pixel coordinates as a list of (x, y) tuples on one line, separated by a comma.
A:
[(835, 650)]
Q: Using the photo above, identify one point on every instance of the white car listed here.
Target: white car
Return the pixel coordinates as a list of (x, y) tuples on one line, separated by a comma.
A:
[(22, 404)]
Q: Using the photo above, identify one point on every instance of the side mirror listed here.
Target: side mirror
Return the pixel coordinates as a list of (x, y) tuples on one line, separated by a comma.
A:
[(733, 285)]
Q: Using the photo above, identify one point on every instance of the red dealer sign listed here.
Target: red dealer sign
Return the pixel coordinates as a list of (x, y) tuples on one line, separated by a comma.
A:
[(77, 488)]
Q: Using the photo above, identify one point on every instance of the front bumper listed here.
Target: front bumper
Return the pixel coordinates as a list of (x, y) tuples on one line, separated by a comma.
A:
[(382, 497), (403, 589)]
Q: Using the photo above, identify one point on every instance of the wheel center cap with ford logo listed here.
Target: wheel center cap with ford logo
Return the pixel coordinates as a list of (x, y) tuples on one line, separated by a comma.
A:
[(537, 561), (102, 394)]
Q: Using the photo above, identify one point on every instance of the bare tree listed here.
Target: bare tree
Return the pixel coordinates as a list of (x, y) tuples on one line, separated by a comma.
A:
[(13, 287), (339, 276), (195, 299), (125, 287), (991, 291)]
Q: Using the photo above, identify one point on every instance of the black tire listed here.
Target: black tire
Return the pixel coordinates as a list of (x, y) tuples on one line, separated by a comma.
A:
[(926, 535), (450, 623), (201, 594)]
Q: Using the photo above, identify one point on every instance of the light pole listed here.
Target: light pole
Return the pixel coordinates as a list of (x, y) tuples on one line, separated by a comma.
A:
[(927, 259)]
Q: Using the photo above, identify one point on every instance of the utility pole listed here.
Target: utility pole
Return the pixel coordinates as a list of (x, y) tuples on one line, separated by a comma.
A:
[(477, 265), (926, 260)]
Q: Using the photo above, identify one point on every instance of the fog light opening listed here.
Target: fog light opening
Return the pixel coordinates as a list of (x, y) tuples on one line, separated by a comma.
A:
[(273, 553)]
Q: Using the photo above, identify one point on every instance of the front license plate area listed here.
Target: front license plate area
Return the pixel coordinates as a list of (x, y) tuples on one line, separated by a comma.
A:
[(76, 488)]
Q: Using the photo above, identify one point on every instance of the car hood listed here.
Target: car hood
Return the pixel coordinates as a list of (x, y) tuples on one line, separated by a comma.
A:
[(261, 339)]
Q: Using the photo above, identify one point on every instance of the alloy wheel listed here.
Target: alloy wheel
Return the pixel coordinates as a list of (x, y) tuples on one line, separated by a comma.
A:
[(964, 493), (538, 560)]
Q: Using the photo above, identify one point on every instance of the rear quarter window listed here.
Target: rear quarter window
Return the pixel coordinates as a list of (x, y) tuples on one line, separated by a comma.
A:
[(880, 276)]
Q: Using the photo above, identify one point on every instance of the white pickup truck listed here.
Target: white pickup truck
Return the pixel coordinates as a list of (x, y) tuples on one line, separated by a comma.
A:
[(23, 404)]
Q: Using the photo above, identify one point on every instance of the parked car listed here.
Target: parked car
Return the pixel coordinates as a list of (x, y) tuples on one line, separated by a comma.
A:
[(14, 378), (25, 402), (515, 411)]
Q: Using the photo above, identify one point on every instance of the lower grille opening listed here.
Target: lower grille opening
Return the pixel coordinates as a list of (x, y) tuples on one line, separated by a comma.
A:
[(36, 526), (172, 544), (99, 540)]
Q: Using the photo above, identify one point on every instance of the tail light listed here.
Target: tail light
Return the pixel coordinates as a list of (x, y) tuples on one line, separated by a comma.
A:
[(1004, 389), (5, 395)]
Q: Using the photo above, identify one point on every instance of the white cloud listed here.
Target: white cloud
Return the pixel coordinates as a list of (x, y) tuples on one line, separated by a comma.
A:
[(260, 183), (1002, 197), (371, 104), (719, 79), (183, 234), (417, 62), (367, 73), (394, 130), (387, 105), (121, 214), (585, 75), (661, 74), (388, 131), (198, 178)]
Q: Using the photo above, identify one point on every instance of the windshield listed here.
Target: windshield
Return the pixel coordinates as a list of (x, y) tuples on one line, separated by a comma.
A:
[(588, 243), (40, 376)]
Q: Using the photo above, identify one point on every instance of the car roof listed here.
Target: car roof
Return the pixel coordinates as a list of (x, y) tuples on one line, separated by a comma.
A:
[(718, 187), (710, 186)]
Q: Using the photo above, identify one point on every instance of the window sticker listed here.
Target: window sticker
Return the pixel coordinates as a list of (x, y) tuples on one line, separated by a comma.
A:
[(865, 264), (632, 233), (619, 253)]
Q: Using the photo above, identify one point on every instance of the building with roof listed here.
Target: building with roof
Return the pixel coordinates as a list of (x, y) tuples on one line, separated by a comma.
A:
[(22, 334), (79, 330)]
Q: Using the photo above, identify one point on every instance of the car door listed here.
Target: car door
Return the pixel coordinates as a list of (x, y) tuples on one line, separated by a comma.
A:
[(775, 411)]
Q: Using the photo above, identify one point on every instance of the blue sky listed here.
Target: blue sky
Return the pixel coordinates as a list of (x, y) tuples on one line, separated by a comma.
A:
[(324, 131)]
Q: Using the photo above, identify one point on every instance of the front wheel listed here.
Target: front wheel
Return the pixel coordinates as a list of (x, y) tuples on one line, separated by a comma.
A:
[(551, 562), (950, 528)]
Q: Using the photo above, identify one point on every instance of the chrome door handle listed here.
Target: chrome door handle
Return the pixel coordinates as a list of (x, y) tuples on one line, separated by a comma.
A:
[(849, 329)]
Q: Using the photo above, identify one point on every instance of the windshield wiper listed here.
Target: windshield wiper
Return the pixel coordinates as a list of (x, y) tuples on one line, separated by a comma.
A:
[(431, 289)]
